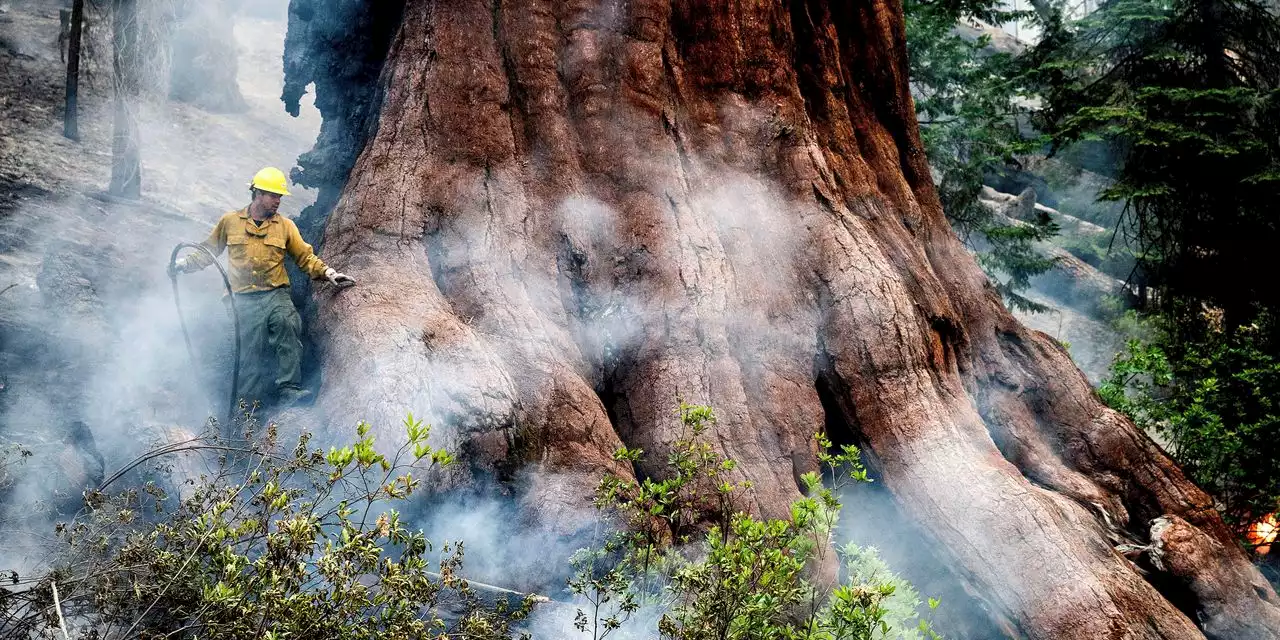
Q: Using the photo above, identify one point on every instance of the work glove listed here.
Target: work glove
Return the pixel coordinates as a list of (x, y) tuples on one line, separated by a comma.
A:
[(181, 265), (338, 279)]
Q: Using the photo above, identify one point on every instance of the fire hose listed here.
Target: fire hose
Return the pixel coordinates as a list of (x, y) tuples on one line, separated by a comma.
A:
[(235, 317)]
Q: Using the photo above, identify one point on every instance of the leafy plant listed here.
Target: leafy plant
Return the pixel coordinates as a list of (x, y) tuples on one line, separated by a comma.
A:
[(634, 563), (898, 603), (741, 577), (294, 545), (1214, 401)]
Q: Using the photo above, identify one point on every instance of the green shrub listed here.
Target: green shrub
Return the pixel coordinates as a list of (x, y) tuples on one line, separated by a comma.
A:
[(272, 546), (742, 577), (1214, 401), (304, 545)]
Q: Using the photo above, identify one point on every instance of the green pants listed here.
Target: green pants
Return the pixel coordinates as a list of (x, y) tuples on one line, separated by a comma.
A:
[(270, 347)]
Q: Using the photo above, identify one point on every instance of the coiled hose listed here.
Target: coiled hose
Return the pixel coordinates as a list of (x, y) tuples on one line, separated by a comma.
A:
[(235, 317)]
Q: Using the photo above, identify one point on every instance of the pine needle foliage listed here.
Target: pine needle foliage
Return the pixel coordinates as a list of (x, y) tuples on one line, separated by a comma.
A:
[(1184, 94), (970, 102)]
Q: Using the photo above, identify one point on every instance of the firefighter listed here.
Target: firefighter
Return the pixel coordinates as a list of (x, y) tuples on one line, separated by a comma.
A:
[(257, 239)]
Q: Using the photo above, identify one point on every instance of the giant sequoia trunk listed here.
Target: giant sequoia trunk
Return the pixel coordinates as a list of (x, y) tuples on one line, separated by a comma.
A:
[(566, 215)]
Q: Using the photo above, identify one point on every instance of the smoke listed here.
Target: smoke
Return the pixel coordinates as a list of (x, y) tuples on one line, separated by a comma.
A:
[(99, 309), (754, 233), (589, 284), (871, 518), (504, 546), (93, 365)]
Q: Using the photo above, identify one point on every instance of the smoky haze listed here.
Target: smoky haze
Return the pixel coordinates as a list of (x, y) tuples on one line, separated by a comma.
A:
[(93, 366), (96, 371)]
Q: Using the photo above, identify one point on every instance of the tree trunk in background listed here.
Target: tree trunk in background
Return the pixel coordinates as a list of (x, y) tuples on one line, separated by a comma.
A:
[(70, 120), (126, 155), (570, 214), (203, 71)]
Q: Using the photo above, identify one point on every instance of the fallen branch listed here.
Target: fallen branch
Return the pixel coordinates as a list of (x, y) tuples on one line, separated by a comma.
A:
[(57, 606), (8, 288), (510, 594)]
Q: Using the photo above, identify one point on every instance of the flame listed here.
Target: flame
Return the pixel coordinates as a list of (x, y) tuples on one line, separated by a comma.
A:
[(1263, 533)]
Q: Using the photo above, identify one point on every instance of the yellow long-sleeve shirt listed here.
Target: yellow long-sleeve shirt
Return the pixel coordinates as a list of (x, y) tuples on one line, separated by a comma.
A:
[(255, 254)]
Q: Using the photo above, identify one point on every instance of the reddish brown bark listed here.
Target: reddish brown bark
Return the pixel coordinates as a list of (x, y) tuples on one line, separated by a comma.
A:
[(572, 213)]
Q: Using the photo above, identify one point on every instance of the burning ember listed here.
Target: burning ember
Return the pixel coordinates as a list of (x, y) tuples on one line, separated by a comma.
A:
[(1262, 533)]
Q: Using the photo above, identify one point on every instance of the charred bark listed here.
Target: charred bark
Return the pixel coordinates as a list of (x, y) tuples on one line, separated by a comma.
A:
[(571, 213), (340, 47), (70, 121)]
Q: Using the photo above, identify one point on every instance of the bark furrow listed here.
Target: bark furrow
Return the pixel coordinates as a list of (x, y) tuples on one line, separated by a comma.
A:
[(572, 213)]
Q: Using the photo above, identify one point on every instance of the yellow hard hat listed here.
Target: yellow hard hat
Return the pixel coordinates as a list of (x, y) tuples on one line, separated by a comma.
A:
[(270, 179)]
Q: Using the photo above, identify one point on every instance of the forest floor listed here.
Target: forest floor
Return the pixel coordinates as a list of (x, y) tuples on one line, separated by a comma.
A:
[(194, 162), (88, 337)]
